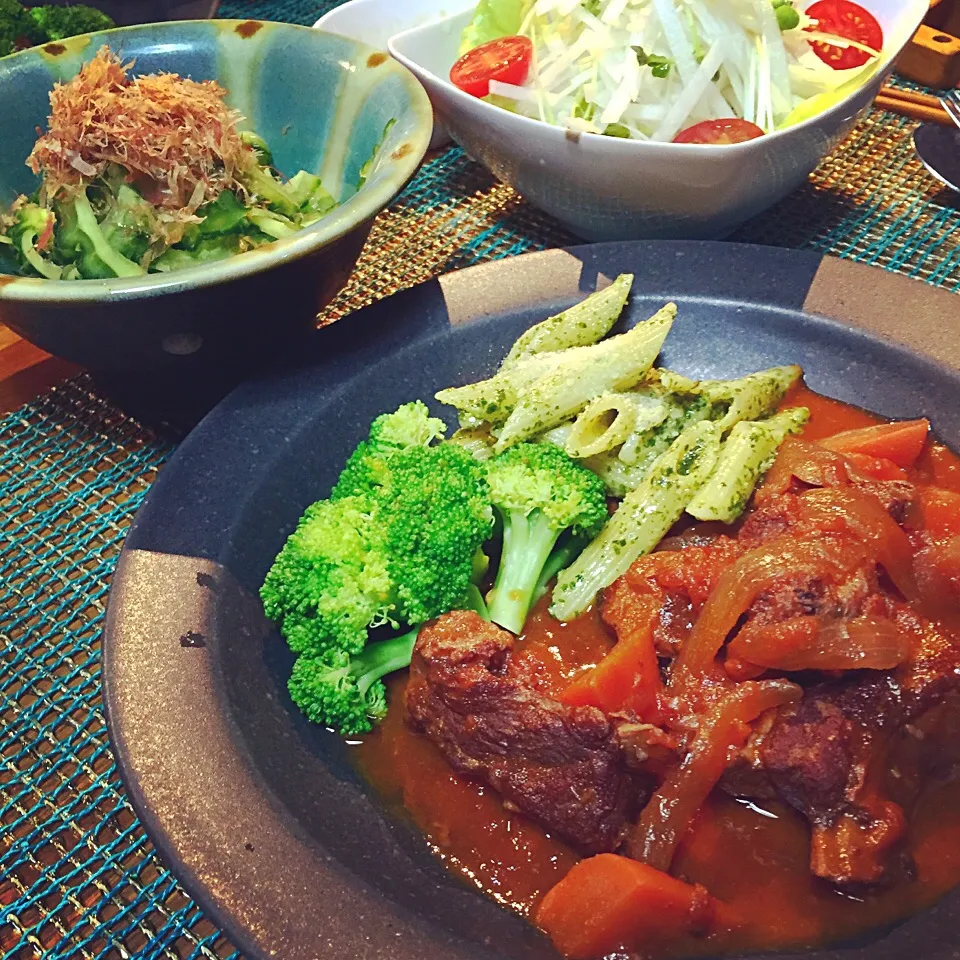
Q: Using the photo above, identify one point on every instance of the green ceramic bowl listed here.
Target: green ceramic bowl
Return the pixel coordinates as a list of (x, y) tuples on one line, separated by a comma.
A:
[(320, 101)]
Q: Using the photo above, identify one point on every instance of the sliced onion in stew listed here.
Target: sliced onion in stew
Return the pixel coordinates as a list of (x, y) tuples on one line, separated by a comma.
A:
[(812, 643)]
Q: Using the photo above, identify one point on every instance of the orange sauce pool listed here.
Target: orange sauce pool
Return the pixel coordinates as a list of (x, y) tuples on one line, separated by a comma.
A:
[(752, 856)]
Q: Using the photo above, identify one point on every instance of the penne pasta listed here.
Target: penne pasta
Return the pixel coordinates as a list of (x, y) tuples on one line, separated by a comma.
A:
[(665, 381), (677, 394), (725, 401), (610, 419), (641, 521), (583, 373), (745, 456), (662, 442), (751, 397), (618, 477), (558, 435), (492, 400), (477, 440), (643, 447), (584, 323)]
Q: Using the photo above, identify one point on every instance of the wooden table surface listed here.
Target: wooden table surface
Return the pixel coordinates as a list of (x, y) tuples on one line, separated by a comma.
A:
[(26, 371)]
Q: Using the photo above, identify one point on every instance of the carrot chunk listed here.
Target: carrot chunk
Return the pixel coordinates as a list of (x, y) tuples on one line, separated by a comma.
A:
[(877, 468), (627, 678), (900, 442), (608, 902)]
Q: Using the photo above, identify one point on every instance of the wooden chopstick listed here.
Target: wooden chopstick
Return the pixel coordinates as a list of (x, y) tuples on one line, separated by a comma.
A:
[(917, 106)]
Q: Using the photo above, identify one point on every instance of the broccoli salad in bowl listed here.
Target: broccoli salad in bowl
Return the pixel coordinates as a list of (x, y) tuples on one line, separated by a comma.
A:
[(682, 71), (22, 27), (148, 175)]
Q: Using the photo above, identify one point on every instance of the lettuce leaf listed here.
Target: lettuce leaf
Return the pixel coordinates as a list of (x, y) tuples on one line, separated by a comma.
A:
[(493, 19)]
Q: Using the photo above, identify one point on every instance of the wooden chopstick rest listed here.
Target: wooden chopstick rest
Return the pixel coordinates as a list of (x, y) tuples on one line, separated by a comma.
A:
[(932, 58)]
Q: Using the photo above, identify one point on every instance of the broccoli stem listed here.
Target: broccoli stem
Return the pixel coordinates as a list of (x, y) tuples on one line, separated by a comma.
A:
[(378, 659), (259, 146), (30, 253), (474, 602), (259, 180), (87, 224), (382, 657), (271, 224), (528, 540), (481, 564), (560, 557)]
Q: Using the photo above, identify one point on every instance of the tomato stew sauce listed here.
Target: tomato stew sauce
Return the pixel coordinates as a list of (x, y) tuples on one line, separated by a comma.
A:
[(753, 856)]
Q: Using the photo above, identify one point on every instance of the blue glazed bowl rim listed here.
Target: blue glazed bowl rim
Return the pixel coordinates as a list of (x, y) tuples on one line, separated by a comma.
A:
[(369, 200)]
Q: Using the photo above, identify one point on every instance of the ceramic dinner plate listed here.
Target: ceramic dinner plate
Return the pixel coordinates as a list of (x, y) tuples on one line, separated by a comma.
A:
[(259, 813)]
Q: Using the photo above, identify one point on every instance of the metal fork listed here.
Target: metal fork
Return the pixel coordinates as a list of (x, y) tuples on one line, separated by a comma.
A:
[(950, 102)]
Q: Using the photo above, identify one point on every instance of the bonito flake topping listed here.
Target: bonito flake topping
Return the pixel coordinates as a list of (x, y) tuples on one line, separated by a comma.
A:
[(177, 138)]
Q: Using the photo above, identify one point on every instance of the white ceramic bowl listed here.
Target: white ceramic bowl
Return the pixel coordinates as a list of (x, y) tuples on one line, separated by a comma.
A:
[(374, 22), (604, 188)]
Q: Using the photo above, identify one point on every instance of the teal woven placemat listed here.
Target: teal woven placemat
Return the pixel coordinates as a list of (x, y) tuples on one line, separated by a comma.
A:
[(78, 877)]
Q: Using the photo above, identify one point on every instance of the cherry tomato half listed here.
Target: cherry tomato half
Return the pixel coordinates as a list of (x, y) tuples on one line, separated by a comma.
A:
[(732, 130), (850, 21), (506, 59)]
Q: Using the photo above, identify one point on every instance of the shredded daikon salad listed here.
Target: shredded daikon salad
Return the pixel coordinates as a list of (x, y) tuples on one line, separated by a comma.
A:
[(648, 69)]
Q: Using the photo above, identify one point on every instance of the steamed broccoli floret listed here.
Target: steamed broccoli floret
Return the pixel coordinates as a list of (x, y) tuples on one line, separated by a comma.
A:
[(437, 516), (347, 693), (539, 493), (341, 692), (400, 548), (436, 497), (398, 543), (330, 583), (58, 23), (17, 28), (409, 426), (25, 28)]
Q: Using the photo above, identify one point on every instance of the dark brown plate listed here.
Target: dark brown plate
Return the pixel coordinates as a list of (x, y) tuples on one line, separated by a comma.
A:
[(258, 812)]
